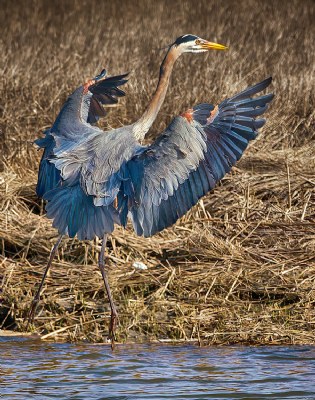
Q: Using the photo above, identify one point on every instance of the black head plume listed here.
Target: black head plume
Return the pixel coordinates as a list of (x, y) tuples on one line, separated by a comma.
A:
[(185, 39)]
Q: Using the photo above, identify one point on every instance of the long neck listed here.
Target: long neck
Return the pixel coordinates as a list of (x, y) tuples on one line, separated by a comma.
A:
[(142, 126)]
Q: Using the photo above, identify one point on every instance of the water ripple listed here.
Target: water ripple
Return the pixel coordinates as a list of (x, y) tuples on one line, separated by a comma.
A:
[(38, 370)]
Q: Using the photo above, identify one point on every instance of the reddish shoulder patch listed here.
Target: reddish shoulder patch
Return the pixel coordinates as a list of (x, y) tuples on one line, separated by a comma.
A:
[(87, 84), (213, 114), (188, 115)]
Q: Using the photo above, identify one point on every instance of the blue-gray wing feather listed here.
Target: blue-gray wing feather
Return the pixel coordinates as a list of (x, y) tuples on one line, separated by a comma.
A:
[(79, 170), (91, 175), (163, 182), (48, 175)]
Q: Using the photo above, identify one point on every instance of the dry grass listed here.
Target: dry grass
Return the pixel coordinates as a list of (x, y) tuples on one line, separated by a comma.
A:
[(240, 266)]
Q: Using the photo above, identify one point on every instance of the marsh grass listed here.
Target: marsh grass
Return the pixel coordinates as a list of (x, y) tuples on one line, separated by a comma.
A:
[(240, 266)]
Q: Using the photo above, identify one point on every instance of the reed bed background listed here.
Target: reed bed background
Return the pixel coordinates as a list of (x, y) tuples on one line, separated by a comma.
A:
[(240, 266)]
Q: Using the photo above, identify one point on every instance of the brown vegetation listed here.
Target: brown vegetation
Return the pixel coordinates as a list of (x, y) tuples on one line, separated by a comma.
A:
[(240, 266)]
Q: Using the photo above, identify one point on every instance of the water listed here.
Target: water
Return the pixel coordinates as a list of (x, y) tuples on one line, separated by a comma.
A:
[(31, 369)]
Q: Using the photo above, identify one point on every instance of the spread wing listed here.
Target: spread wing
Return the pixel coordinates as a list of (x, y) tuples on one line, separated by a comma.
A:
[(69, 168), (196, 150), (73, 124)]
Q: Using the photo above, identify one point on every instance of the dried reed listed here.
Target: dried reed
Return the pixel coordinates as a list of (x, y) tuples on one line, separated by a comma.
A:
[(240, 266)]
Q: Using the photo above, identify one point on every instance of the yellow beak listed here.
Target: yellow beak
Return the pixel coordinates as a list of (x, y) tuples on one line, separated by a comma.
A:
[(213, 46)]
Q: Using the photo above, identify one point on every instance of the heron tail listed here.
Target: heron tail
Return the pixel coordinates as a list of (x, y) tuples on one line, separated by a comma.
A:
[(74, 213)]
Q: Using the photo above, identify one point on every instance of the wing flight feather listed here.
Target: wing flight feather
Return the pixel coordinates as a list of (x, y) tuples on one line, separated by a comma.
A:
[(189, 158)]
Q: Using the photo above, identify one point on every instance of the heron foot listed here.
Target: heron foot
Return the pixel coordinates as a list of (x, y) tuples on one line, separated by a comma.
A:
[(31, 312), (112, 327)]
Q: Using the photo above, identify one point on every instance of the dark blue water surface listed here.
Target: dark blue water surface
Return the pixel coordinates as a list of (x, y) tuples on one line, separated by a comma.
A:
[(32, 369)]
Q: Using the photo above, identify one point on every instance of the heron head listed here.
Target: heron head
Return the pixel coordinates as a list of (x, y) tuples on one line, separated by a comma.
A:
[(194, 44)]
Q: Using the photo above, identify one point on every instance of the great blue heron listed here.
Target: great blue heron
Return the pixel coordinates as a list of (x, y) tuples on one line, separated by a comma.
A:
[(92, 179)]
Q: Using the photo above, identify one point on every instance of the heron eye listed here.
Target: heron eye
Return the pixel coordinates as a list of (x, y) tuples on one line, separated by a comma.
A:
[(198, 42)]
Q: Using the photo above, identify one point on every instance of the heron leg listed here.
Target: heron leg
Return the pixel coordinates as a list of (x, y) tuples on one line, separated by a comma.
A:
[(114, 314), (32, 310)]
